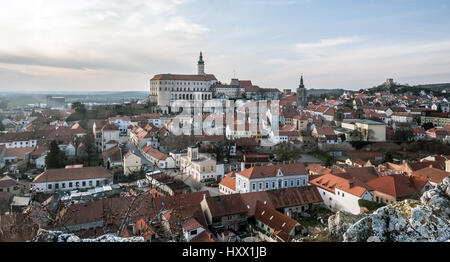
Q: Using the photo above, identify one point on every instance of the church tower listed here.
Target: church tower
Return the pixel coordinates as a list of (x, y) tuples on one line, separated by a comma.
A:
[(301, 93), (201, 65)]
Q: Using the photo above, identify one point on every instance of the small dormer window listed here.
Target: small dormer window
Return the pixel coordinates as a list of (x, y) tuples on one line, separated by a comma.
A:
[(271, 218), (263, 213), (283, 225)]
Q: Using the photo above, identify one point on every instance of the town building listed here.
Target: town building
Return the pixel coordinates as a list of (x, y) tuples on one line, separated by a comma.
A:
[(166, 88), (200, 166), (269, 177), (131, 163), (340, 193), (68, 179)]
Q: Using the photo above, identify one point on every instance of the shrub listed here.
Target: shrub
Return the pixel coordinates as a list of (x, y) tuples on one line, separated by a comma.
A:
[(370, 205)]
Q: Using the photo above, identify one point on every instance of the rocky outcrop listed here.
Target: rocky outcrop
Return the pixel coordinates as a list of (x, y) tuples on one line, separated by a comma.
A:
[(340, 222), (408, 220), (58, 236)]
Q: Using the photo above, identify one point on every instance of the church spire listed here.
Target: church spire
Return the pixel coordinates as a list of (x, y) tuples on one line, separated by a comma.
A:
[(301, 82), (201, 65), (200, 61)]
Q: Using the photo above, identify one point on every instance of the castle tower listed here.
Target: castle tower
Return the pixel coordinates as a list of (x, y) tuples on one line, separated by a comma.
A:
[(301, 93), (201, 65)]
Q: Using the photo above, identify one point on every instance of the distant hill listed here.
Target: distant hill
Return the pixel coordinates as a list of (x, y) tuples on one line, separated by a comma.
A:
[(319, 92), (397, 88)]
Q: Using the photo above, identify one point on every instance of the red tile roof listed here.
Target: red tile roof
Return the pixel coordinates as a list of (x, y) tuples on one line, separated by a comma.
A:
[(226, 205), (431, 174), (329, 182), (184, 77), (272, 170), (274, 219), (396, 185), (63, 174), (229, 181)]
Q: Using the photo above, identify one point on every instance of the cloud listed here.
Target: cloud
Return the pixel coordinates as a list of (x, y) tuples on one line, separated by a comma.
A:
[(354, 63), (95, 34)]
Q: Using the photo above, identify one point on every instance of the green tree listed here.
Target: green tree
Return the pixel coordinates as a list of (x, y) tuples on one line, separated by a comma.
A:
[(2, 127), (55, 158), (388, 157), (287, 151), (439, 108), (428, 125)]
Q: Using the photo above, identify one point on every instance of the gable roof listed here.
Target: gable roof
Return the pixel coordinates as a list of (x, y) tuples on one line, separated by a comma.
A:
[(180, 77), (396, 185), (229, 181), (330, 182), (64, 174), (226, 205), (431, 174), (272, 170), (274, 219)]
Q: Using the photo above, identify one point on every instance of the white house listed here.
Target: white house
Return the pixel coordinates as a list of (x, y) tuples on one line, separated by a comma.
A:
[(269, 177), (342, 194), (18, 140), (157, 157), (131, 163), (200, 166), (122, 122), (71, 178)]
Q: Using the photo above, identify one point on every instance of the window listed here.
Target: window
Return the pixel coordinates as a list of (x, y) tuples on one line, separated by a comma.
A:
[(77, 184), (285, 183), (194, 232), (323, 193), (90, 183), (292, 182), (273, 184), (267, 184), (298, 182), (56, 186), (253, 186), (50, 186), (260, 185), (84, 183), (63, 185), (70, 184), (342, 194)]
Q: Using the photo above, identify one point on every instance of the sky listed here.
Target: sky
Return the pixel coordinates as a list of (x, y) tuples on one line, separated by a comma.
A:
[(112, 45)]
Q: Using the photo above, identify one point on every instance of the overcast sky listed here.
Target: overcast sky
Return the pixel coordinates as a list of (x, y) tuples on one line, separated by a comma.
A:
[(119, 45)]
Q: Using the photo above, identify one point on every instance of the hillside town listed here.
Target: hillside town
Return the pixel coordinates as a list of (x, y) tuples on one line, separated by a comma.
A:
[(283, 173)]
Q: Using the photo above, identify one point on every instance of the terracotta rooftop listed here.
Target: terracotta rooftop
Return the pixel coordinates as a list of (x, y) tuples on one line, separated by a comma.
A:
[(184, 77), (397, 185), (431, 174), (225, 205), (274, 219), (63, 174), (329, 182), (229, 181), (272, 170)]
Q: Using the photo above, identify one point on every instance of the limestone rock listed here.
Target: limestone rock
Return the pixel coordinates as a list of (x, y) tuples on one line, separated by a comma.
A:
[(58, 236), (340, 222), (408, 220)]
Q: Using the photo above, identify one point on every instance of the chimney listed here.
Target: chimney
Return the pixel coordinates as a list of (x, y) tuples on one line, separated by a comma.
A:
[(351, 184), (430, 166)]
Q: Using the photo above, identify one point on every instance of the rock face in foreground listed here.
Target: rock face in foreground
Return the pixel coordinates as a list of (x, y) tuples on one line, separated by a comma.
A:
[(58, 236), (339, 223), (426, 220)]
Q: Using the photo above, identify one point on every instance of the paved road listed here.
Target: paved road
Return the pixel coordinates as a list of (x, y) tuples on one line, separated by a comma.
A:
[(132, 147)]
